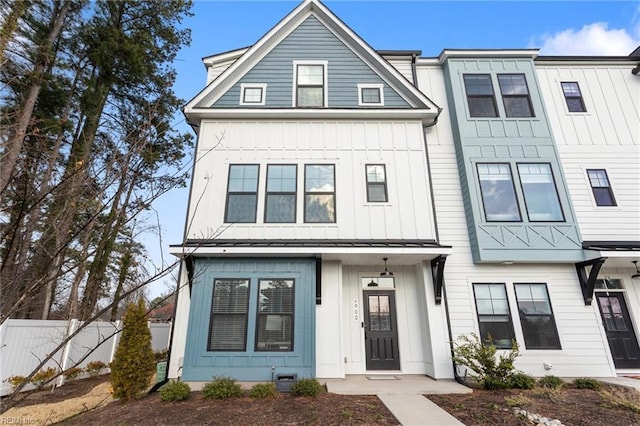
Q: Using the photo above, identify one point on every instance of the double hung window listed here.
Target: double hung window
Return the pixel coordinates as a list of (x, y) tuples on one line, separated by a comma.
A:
[(515, 95), (228, 322), (536, 316), (319, 193), (601, 187), (573, 96), (242, 193), (480, 97), (310, 84), (376, 183), (540, 194), (494, 317), (274, 330), (280, 205)]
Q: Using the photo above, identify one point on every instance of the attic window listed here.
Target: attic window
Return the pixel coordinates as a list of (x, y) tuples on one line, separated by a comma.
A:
[(370, 95), (252, 94), (310, 84)]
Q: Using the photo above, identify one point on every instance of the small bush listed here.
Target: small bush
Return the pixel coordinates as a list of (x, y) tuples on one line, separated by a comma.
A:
[(263, 390), (489, 371), (306, 387), (552, 382), (587, 383), (175, 391), (95, 367), (517, 401), (72, 373), (522, 381), (222, 388), (15, 381), (43, 377)]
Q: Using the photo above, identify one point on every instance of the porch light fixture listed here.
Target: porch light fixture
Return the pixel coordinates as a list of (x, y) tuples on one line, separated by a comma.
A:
[(387, 272), (637, 274), (372, 283)]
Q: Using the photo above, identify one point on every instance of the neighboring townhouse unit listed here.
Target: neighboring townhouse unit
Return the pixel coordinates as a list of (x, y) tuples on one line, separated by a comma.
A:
[(354, 211), (310, 179)]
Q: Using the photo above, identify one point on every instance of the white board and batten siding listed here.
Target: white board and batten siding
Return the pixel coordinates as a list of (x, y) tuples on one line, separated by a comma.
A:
[(350, 145), (582, 338), (606, 136)]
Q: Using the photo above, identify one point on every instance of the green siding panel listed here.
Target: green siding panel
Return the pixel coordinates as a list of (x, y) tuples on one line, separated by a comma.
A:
[(513, 141), (251, 365), (311, 41)]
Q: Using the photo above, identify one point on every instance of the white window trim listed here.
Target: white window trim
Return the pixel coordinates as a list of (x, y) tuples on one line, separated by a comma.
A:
[(244, 86), (325, 87), (380, 87)]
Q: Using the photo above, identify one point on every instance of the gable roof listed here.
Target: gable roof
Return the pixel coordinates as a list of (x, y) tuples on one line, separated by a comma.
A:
[(199, 105)]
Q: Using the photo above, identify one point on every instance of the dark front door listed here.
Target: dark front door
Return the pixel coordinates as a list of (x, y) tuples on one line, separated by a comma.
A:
[(620, 334), (380, 333)]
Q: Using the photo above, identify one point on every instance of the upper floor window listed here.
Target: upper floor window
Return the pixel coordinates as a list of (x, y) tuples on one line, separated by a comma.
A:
[(540, 193), (515, 95), (573, 96), (494, 317), (280, 204), (228, 322), (242, 193), (319, 193), (274, 331), (376, 183), (252, 94), (480, 96), (601, 187), (498, 193), (310, 84), (536, 317), (370, 95)]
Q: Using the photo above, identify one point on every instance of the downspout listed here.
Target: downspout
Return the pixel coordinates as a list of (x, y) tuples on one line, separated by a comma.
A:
[(456, 376)]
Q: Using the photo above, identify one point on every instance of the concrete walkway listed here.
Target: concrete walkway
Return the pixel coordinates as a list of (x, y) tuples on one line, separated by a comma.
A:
[(403, 396)]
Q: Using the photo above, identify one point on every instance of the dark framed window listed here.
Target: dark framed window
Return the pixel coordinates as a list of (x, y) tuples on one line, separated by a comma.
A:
[(494, 316), (376, 183), (319, 193), (480, 96), (498, 192), (242, 193), (536, 316), (280, 203), (274, 331), (252, 94), (310, 82), (515, 95), (540, 192), (601, 187), (228, 322), (573, 96)]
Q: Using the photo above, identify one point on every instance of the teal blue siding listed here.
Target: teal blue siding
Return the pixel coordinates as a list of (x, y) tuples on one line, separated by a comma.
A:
[(250, 365), (513, 141), (311, 41)]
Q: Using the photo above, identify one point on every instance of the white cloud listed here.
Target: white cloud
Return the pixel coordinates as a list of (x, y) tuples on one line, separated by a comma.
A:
[(591, 40)]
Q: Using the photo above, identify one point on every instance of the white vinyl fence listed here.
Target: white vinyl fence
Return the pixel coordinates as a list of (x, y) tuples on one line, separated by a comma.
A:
[(25, 343)]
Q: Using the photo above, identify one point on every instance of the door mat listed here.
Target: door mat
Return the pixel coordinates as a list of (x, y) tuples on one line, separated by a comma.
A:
[(383, 377)]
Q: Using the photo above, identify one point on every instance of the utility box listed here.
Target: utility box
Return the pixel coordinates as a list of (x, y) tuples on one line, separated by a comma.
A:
[(161, 371), (284, 382)]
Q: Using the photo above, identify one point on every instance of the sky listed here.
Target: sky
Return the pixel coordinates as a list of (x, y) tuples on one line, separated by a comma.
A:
[(607, 28)]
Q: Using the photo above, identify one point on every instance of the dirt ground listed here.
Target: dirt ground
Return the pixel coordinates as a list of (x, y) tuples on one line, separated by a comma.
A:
[(570, 405)]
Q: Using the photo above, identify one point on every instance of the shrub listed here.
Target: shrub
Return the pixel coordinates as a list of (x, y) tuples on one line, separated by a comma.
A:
[(161, 355), (517, 401), (587, 383), (133, 365), (222, 388), (15, 381), (522, 381), (175, 391), (552, 382), (72, 373), (480, 358), (263, 390), (306, 387), (95, 367), (43, 377)]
